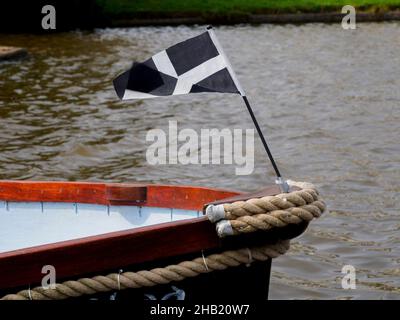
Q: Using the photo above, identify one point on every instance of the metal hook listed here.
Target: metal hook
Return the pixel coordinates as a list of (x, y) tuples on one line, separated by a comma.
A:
[(250, 257), (204, 260), (29, 292), (118, 279)]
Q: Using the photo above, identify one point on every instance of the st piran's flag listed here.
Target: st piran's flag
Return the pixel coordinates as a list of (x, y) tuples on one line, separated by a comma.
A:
[(195, 65)]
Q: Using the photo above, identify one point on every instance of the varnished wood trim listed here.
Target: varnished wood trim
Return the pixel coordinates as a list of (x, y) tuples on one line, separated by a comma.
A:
[(180, 197)]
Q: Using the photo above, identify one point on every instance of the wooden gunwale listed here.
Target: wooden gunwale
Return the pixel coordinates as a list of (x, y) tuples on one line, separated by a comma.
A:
[(112, 250)]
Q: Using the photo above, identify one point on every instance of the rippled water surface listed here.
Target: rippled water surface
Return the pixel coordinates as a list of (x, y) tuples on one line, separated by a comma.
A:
[(328, 100)]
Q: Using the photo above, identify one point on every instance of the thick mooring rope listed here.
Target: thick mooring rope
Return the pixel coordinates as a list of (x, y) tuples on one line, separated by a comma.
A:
[(263, 214), (260, 214), (186, 269)]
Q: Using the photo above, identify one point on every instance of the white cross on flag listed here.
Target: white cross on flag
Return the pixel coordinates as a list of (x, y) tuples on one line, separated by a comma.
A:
[(195, 65)]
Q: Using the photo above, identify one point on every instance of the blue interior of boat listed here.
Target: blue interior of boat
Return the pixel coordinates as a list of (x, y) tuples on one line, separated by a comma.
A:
[(29, 224)]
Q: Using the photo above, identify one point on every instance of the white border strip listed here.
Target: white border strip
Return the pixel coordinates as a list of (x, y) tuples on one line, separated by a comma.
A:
[(228, 64)]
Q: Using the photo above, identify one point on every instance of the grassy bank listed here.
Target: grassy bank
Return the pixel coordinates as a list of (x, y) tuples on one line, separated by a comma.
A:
[(188, 8)]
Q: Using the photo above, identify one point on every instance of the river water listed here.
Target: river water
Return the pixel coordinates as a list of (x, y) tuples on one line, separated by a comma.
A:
[(328, 100)]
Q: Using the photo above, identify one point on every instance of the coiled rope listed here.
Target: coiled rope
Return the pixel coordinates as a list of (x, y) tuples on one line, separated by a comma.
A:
[(263, 214), (259, 214)]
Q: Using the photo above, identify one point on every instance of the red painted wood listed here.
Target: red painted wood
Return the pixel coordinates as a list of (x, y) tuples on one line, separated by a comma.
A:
[(125, 194), (107, 251), (182, 197), (53, 191)]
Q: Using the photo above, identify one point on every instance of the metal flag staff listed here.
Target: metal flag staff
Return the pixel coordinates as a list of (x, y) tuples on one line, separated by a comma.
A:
[(280, 181)]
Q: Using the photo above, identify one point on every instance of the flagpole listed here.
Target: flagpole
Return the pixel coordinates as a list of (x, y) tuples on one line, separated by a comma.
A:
[(282, 183), (279, 181), (264, 142)]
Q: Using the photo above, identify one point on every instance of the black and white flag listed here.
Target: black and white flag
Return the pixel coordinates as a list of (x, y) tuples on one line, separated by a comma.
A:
[(195, 65)]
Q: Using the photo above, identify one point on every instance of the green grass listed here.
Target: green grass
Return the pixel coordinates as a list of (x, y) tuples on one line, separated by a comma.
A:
[(183, 7)]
